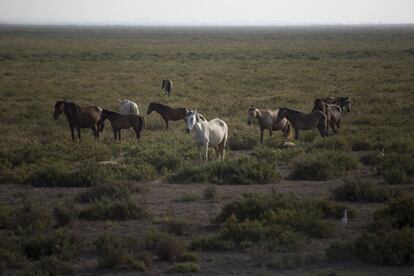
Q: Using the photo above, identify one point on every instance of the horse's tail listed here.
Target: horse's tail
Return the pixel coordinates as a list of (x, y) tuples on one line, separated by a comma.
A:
[(289, 132)]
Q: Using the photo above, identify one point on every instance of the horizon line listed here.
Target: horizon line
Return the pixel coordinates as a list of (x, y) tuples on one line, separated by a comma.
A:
[(201, 25)]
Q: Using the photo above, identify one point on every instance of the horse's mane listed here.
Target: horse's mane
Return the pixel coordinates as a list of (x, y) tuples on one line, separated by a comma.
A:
[(160, 106), (201, 117), (292, 110), (112, 112)]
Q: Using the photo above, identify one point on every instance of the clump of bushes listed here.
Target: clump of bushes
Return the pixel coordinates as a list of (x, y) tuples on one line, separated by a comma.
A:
[(389, 240), (271, 155), (240, 171), (397, 168), (210, 192), (49, 266), (58, 243), (64, 215), (60, 175), (127, 252), (363, 192), (177, 226), (242, 142), (278, 222), (114, 210), (118, 191), (323, 165), (114, 251)]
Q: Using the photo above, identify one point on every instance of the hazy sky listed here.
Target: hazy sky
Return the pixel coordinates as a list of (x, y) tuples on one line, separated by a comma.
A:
[(207, 12)]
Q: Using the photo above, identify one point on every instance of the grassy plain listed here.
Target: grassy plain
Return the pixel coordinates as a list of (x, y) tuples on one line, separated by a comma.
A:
[(220, 72)]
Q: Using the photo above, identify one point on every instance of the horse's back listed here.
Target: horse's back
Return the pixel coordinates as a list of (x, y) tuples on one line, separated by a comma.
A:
[(90, 115), (218, 131), (128, 107)]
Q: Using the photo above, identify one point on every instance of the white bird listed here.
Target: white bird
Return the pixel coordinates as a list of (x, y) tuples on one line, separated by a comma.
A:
[(344, 220)]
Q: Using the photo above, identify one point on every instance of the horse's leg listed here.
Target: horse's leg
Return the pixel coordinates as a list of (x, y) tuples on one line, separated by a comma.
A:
[(166, 124), (297, 134), (79, 133), (270, 132), (115, 133), (95, 133), (322, 131), (119, 134), (200, 158), (206, 152), (137, 133), (72, 132), (261, 135)]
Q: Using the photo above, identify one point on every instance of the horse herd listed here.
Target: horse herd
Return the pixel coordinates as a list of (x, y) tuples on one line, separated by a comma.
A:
[(214, 133)]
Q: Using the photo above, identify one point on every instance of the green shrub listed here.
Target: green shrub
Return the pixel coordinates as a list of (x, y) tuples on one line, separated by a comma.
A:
[(113, 210), (115, 191), (178, 226), (341, 251), (323, 165), (398, 214), (169, 248), (11, 253), (164, 245), (395, 168), (363, 192), (390, 247), (59, 175), (188, 197), (30, 217), (210, 192), (112, 251), (240, 171), (49, 266), (185, 268), (242, 142), (64, 215), (189, 257), (279, 222), (58, 243)]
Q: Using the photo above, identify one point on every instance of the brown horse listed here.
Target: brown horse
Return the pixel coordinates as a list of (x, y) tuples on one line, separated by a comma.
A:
[(122, 121), (267, 120), (302, 121), (168, 113), (79, 117), (332, 112), (343, 102)]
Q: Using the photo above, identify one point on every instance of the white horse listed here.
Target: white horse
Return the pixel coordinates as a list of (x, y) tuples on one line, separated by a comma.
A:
[(128, 107), (208, 133)]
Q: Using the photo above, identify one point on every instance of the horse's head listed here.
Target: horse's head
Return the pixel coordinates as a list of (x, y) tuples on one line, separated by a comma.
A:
[(163, 84), (345, 104), (318, 105), (151, 108), (59, 108), (191, 118), (251, 113), (281, 114)]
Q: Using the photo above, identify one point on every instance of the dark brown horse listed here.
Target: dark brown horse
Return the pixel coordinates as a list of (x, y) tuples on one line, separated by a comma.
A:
[(332, 112), (302, 121), (122, 121), (343, 102), (79, 117), (168, 113)]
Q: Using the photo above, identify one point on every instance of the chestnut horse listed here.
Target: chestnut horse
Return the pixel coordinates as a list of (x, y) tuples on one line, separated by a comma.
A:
[(79, 117), (168, 113), (122, 121), (302, 121)]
